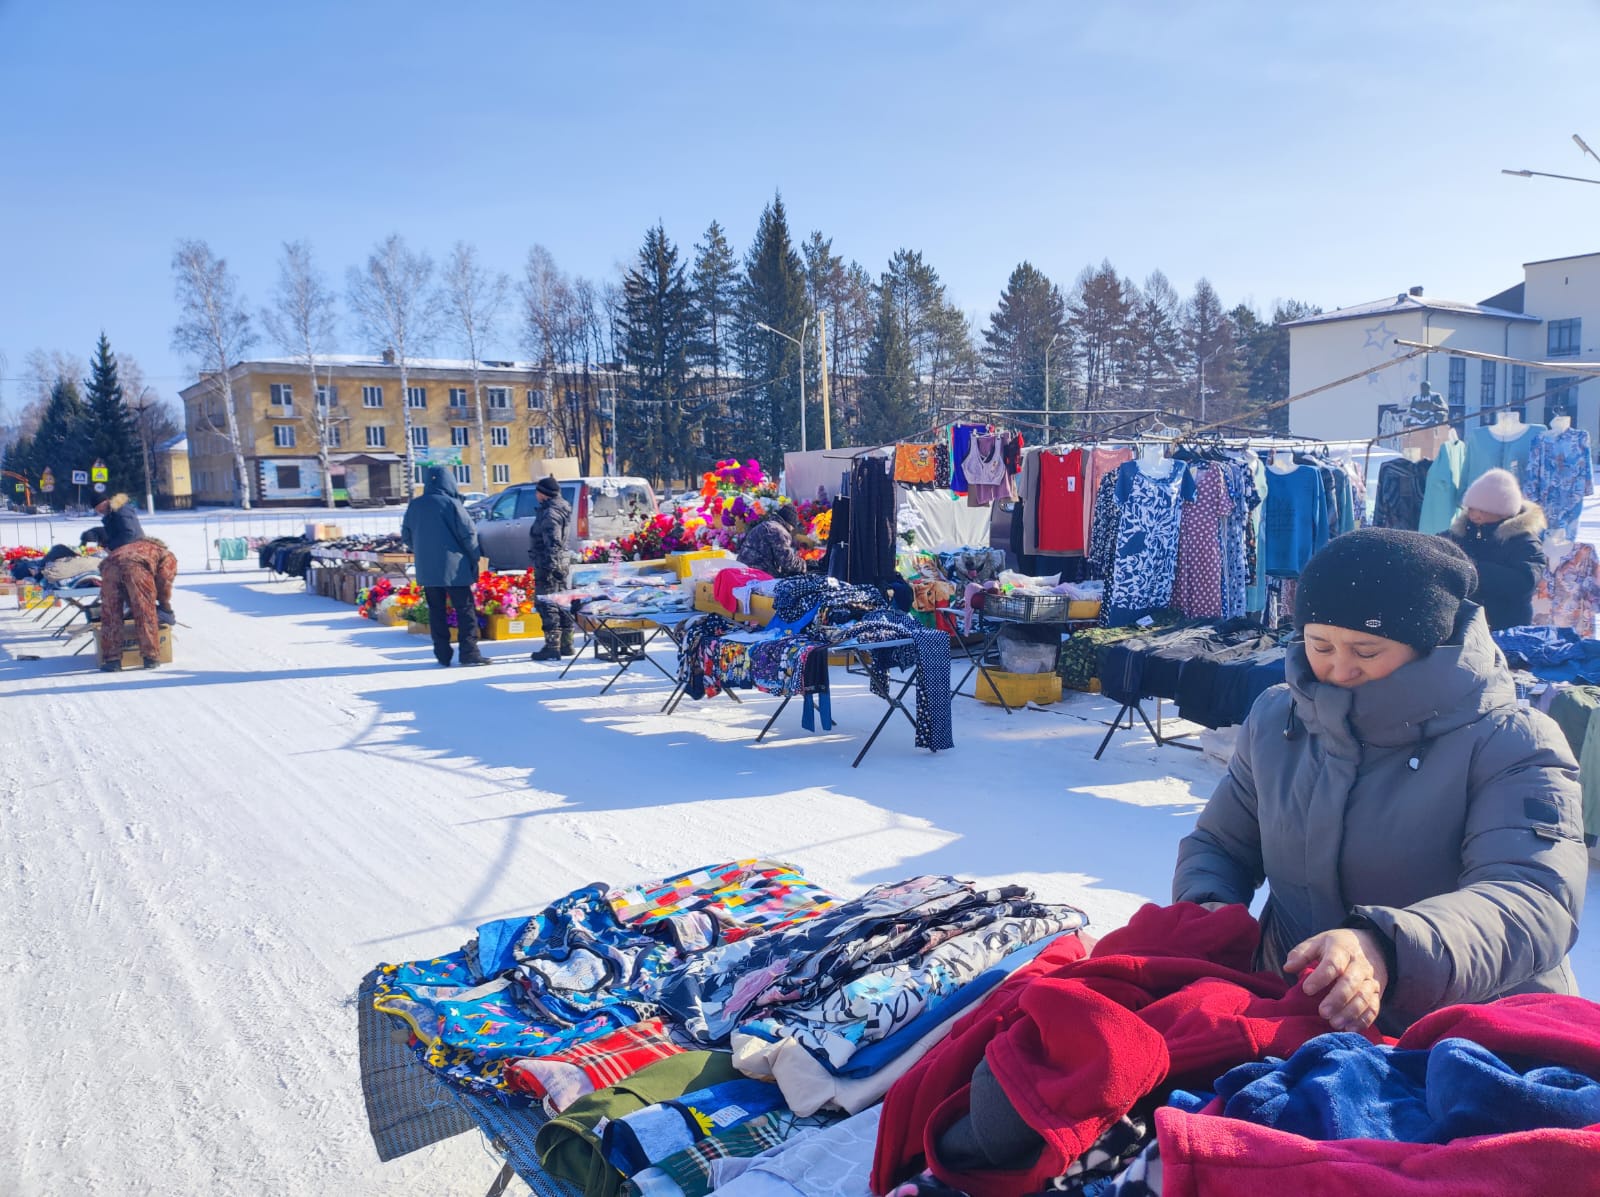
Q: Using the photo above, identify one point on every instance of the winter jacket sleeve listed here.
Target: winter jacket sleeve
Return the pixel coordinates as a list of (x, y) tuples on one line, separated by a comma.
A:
[(1524, 868), (1510, 574), (408, 528), (1220, 860), (465, 533)]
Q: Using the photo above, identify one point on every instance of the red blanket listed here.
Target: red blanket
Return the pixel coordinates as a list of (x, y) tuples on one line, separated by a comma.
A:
[(1168, 999)]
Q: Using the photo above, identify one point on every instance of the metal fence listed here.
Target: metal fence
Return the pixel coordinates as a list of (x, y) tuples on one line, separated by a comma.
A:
[(254, 525), (34, 532)]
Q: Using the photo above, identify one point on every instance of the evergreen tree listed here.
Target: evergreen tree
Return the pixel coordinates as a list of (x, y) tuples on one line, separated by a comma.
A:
[(767, 412), (1208, 340), (888, 399), (113, 436), (1030, 315), (1264, 355), (714, 285), (656, 326), (1157, 342), (1101, 323), (65, 440)]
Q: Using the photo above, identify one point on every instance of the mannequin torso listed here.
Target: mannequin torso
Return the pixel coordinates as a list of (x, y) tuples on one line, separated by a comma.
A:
[(1507, 426)]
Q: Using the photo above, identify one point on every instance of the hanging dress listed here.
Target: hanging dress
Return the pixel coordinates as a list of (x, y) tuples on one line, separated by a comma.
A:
[(1147, 540)]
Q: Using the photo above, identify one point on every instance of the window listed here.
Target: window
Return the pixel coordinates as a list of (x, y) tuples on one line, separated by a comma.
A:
[(288, 477), (458, 396), (459, 436), (499, 436), (327, 396), (1519, 384), (463, 473), (283, 436), (419, 437), (1561, 396), (1486, 379), (1458, 387), (371, 396), (497, 396), (536, 437), (335, 436), (282, 394), (1565, 337), (416, 396), (502, 474), (419, 472), (375, 436), (535, 399)]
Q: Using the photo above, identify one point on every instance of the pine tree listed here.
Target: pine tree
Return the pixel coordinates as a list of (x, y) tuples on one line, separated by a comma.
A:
[(714, 284), (1264, 354), (1208, 339), (656, 328), (767, 413), (1031, 315), (1100, 322), (113, 436), (1157, 342), (888, 398), (65, 440)]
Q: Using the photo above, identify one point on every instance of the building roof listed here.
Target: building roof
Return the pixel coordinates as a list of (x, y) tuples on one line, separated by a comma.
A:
[(1510, 300), (1407, 303), (1568, 258), (174, 444)]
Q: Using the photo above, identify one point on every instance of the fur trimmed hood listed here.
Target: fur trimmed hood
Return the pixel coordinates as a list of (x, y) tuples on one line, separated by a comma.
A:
[(1530, 520)]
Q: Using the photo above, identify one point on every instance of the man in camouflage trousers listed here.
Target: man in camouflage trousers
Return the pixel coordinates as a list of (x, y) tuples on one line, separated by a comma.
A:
[(139, 575)]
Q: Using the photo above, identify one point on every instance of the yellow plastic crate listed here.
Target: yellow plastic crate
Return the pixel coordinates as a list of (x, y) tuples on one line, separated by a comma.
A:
[(1083, 609), (682, 564), (1019, 689), (513, 627), (422, 629)]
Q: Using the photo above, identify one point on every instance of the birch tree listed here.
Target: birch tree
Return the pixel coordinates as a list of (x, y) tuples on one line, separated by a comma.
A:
[(213, 329), (475, 298), (398, 311), (301, 321)]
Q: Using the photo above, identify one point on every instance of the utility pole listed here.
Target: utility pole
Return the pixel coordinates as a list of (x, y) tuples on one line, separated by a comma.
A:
[(822, 348), (144, 445)]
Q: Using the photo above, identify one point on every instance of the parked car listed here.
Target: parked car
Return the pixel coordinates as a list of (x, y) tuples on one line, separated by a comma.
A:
[(602, 509)]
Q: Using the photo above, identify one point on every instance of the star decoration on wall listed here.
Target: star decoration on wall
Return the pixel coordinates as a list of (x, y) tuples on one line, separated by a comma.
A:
[(1380, 337)]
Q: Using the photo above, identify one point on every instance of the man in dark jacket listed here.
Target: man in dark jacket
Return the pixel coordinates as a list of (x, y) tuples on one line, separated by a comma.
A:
[(119, 524), (1500, 531), (445, 544), (548, 552), (769, 546)]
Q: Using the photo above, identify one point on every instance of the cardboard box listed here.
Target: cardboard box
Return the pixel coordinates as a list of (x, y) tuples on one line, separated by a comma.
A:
[(1019, 689), (315, 531), (132, 658), (31, 598)]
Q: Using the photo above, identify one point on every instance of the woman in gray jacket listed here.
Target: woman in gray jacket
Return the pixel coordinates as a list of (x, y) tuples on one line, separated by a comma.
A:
[(1420, 835)]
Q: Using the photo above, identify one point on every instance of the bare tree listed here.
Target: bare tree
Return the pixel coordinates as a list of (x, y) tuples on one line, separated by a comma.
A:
[(152, 419), (475, 299), (301, 321), (398, 311), (214, 329), (547, 334)]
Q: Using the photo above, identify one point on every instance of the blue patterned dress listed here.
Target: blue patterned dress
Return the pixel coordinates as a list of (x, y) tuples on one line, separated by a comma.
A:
[(1560, 476), (1147, 540)]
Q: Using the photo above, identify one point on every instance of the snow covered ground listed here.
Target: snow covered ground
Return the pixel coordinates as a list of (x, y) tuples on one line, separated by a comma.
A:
[(201, 861)]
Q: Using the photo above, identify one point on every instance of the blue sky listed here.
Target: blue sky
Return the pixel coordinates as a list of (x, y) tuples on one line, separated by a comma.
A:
[(1332, 153)]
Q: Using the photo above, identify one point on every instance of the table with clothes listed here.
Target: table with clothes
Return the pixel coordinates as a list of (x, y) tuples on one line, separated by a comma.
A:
[(659, 1038), (1212, 671), (738, 1029), (815, 617)]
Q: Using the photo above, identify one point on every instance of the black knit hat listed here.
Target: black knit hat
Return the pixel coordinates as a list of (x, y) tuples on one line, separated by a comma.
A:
[(788, 515), (1403, 586), (548, 486)]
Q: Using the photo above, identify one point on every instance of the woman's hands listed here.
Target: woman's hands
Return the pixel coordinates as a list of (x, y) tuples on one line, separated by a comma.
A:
[(1350, 966)]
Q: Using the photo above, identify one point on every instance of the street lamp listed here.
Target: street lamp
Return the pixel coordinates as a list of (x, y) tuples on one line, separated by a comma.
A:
[(1047, 349), (799, 344), (1203, 362), (1528, 174)]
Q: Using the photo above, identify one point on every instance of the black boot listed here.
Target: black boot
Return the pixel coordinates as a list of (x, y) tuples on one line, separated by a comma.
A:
[(566, 642), (110, 666), (550, 652), (152, 662)]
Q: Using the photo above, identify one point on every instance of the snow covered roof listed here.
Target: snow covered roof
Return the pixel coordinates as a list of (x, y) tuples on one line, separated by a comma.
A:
[(374, 361), (1407, 302), (175, 444)]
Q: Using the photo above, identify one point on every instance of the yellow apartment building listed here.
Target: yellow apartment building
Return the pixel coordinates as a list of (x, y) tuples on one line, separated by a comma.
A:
[(365, 418)]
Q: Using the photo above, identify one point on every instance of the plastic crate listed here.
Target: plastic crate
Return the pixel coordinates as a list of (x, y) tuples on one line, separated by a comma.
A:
[(1031, 608), (1019, 689), (512, 627), (683, 563)]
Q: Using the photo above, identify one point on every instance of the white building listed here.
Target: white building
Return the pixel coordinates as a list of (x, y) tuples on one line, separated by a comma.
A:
[(1542, 318)]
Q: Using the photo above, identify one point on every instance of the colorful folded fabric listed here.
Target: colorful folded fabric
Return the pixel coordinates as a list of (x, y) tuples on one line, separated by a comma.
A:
[(691, 1172), (560, 1078), (721, 903), (636, 1141)]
